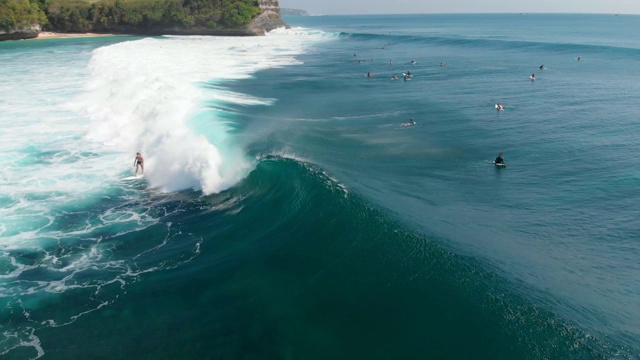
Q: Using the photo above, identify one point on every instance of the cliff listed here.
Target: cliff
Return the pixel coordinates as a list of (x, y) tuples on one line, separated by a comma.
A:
[(268, 20)]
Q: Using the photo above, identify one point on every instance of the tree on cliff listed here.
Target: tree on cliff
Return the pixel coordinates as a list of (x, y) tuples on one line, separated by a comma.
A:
[(20, 14)]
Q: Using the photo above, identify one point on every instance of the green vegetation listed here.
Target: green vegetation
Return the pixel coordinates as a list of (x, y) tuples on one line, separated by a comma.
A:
[(127, 15), (147, 15), (18, 14)]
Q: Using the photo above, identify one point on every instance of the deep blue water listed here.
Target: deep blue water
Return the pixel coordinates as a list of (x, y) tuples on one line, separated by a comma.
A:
[(287, 214)]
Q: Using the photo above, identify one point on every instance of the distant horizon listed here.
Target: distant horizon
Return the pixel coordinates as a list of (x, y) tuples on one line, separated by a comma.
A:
[(468, 13), (402, 7)]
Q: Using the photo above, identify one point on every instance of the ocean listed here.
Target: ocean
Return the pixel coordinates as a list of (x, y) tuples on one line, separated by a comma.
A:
[(287, 212)]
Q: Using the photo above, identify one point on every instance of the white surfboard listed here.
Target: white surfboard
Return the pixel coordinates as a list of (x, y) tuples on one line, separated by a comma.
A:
[(133, 177), (503, 165)]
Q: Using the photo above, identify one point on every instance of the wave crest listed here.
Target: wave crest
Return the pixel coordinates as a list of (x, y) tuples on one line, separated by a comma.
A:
[(163, 97)]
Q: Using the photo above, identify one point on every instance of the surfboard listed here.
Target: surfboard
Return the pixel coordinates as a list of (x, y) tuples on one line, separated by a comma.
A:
[(133, 177), (503, 165)]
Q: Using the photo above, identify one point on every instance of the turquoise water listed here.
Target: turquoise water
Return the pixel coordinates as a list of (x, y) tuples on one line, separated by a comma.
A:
[(285, 212)]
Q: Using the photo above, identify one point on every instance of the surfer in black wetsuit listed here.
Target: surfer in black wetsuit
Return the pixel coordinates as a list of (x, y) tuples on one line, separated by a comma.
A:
[(138, 161), (499, 159), (408, 123), (541, 67)]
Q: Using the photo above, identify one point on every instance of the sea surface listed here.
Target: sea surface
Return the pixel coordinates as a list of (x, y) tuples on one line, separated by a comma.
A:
[(285, 212)]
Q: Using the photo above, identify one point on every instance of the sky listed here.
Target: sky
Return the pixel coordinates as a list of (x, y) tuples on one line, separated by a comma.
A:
[(334, 7)]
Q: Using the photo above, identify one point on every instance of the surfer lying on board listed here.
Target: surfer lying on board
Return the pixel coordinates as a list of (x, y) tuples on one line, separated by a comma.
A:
[(499, 159), (408, 123), (138, 161)]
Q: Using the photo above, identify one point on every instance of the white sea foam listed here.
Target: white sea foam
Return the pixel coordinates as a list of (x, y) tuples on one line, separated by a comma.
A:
[(142, 96)]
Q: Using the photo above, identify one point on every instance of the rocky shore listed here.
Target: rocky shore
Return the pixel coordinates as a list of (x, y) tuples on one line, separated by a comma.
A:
[(30, 32)]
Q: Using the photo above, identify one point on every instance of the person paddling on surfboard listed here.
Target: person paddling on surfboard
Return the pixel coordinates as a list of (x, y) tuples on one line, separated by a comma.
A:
[(408, 123), (499, 159), (138, 161)]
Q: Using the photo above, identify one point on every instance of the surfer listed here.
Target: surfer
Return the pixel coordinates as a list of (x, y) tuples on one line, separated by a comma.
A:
[(369, 74), (499, 159), (413, 62), (541, 67), (138, 161), (532, 77), (579, 58), (441, 64), (395, 77), (499, 106), (408, 123)]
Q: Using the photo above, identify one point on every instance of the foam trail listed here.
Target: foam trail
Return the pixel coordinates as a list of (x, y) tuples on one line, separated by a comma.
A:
[(144, 95)]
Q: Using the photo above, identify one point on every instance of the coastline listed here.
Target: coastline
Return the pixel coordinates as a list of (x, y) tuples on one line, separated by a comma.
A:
[(55, 35)]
